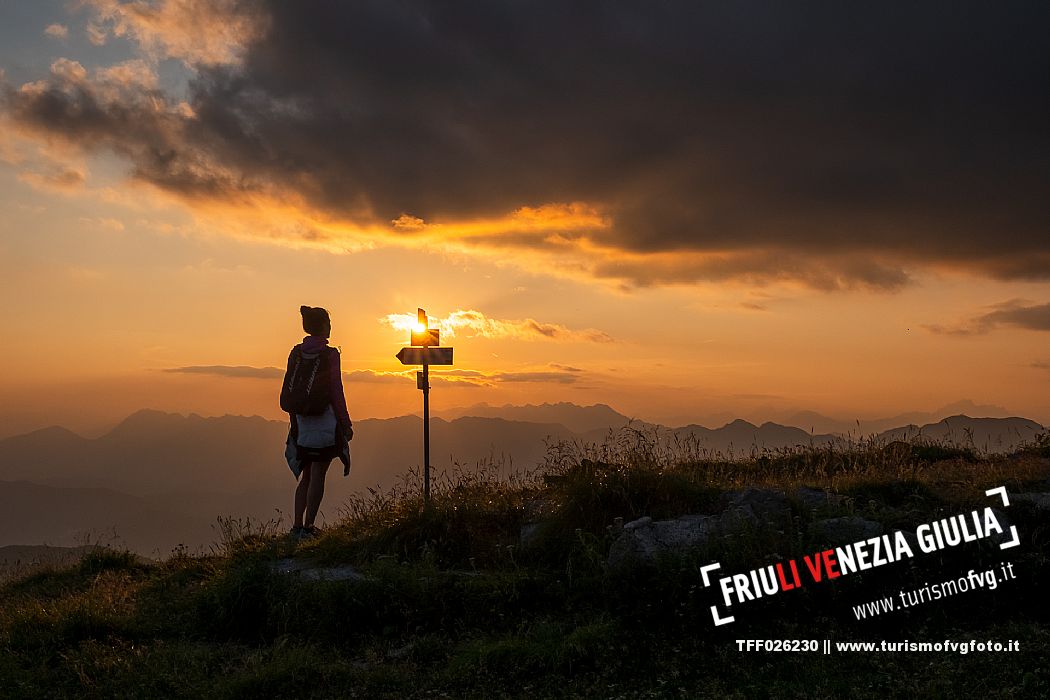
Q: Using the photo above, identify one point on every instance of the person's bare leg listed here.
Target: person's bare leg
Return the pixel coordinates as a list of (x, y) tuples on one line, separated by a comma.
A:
[(301, 491), (315, 491)]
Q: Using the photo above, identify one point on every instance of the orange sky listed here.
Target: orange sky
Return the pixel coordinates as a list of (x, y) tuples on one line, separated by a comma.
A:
[(114, 284)]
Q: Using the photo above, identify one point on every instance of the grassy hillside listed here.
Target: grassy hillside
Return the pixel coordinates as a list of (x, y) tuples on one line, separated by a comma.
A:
[(22, 560), (452, 601)]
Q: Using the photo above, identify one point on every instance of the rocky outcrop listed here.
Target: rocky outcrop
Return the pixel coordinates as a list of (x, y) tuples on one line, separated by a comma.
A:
[(814, 499), (529, 534), (758, 506), (1041, 501), (835, 531), (644, 540), (309, 571)]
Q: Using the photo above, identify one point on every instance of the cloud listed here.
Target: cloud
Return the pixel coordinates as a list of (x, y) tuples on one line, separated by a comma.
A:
[(1041, 364), (826, 272), (467, 377), (368, 376), (62, 180), (1016, 313), (473, 323), (537, 377), (116, 108), (238, 371), (464, 378), (135, 73), (96, 33), (67, 71), (44, 165), (674, 143), (57, 31), (210, 32), (103, 223), (491, 378)]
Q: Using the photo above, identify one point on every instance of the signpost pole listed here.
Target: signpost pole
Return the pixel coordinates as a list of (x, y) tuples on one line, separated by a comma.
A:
[(426, 427), (422, 339)]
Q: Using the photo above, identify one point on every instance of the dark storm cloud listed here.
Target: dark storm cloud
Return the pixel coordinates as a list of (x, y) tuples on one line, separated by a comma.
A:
[(838, 144), (817, 269), (1015, 313)]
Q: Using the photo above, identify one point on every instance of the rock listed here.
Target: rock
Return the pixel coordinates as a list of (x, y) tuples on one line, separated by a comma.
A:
[(756, 507), (844, 530), (640, 522), (817, 498), (529, 534), (1041, 501), (644, 540), (306, 570)]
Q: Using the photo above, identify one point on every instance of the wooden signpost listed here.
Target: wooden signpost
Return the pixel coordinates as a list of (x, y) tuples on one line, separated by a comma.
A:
[(423, 350), (425, 356)]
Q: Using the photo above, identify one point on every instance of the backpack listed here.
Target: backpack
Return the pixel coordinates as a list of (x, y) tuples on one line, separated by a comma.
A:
[(305, 391)]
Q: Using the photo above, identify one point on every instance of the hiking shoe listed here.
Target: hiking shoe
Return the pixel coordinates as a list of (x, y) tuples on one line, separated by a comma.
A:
[(296, 532), (311, 531)]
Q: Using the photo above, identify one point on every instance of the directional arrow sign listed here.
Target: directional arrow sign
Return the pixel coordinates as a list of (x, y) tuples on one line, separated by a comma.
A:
[(435, 356), (430, 337)]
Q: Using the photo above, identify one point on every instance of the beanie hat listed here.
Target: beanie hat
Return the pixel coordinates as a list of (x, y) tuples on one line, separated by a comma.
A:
[(315, 320)]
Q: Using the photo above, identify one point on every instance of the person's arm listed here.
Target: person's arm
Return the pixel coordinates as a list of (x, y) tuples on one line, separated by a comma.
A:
[(338, 398)]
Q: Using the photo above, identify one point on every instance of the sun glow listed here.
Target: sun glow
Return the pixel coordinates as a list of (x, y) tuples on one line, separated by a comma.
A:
[(405, 322)]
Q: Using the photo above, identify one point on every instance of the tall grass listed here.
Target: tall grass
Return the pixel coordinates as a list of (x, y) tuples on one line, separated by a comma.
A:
[(477, 515)]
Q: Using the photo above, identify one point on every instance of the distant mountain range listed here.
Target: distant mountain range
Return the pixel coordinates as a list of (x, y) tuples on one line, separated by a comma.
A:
[(813, 421), (160, 479), (602, 417), (983, 434), (579, 419), (152, 452)]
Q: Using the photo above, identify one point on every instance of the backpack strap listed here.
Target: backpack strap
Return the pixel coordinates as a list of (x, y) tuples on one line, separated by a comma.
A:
[(294, 360)]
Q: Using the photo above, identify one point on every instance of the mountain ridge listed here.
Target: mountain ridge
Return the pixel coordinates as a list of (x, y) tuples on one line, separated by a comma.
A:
[(156, 452), (162, 473)]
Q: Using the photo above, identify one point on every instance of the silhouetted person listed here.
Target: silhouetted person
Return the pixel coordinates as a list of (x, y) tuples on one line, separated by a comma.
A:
[(321, 429)]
